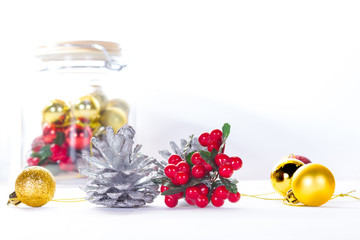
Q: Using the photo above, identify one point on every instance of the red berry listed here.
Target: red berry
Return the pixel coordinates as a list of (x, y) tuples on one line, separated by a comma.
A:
[(226, 170), (174, 181), (33, 161), (184, 167), (202, 201), (216, 201), (164, 188), (58, 153), (236, 162), (178, 195), (213, 145), (221, 192), (221, 159), (190, 201), (204, 190), (192, 193), (234, 197), (170, 170), (208, 167), (216, 135), (171, 201), (196, 159), (174, 159), (181, 177), (204, 139), (198, 171)]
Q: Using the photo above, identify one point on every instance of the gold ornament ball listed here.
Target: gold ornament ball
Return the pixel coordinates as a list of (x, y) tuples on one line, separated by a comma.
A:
[(99, 95), (114, 117), (119, 103), (313, 184), (86, 109), (35, 186), (282, 174), (56, 112)]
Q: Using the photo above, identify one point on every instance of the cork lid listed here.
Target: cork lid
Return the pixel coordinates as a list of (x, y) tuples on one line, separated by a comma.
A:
[(79, 50)]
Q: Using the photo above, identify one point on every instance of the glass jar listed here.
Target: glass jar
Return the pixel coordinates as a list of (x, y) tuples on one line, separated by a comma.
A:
[(76, 93)]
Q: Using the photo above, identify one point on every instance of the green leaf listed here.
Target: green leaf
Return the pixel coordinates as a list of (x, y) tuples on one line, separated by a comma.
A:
[(229, 185), (35, 154), (60, 138), (209, 158), (216, 184), (188, 158), (226, 130), (45, 152), (173, 191), (158, 181)]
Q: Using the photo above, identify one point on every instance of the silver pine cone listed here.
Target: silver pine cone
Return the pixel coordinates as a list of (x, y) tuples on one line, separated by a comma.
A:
[(118, 175)]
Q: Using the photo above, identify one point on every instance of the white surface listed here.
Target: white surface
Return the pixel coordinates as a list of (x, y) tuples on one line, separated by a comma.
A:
[(248, 219), (285, 74)]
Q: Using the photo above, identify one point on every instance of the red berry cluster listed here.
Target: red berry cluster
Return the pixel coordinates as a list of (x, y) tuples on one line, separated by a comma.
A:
[(211, 140), (196, 179), (56, 143)]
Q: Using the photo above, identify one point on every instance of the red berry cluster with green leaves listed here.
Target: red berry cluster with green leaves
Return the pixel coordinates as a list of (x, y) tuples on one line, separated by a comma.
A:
[(56, 143), (203, 176)]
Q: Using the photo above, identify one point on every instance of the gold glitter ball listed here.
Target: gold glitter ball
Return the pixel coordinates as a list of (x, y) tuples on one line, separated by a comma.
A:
[(35, 186)]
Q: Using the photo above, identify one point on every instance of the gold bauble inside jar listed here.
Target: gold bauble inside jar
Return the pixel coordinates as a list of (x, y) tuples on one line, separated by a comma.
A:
[(119, 103), (282, 174), (114, 117), (100, 96), (56, 112), (86, 109), (35, 186)]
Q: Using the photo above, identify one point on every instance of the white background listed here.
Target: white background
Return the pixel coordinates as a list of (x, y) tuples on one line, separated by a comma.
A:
[(284, 74)]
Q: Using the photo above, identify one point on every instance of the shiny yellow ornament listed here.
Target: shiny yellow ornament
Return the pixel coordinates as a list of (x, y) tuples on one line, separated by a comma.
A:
[(86, 109), (99, 95), (56, 112), (282, 174), (114, 117), (313, 184), (35, 187), (119, 103)]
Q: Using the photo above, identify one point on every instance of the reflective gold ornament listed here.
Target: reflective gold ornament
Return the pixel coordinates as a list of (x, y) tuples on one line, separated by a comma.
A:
[(114, 117), (99, 95), (35, 187), (313, 184), (119, 103), (57, 112), (282, 174), (86, 109)]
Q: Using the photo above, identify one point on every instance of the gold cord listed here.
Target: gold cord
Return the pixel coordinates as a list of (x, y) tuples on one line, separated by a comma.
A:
[(258, 196)]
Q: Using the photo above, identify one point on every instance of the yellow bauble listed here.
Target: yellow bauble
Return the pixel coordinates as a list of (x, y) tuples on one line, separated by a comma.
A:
[(282, 174), (86, 109), (114, 117), (35, 186), (119, 103), (99, 95), (313, 184), (57, 112)]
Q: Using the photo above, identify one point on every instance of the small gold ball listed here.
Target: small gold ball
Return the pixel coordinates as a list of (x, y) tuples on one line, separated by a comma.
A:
[(86, 109), (35, 186), (282, 174), (56, 112), (114, 117), (313, 184)]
